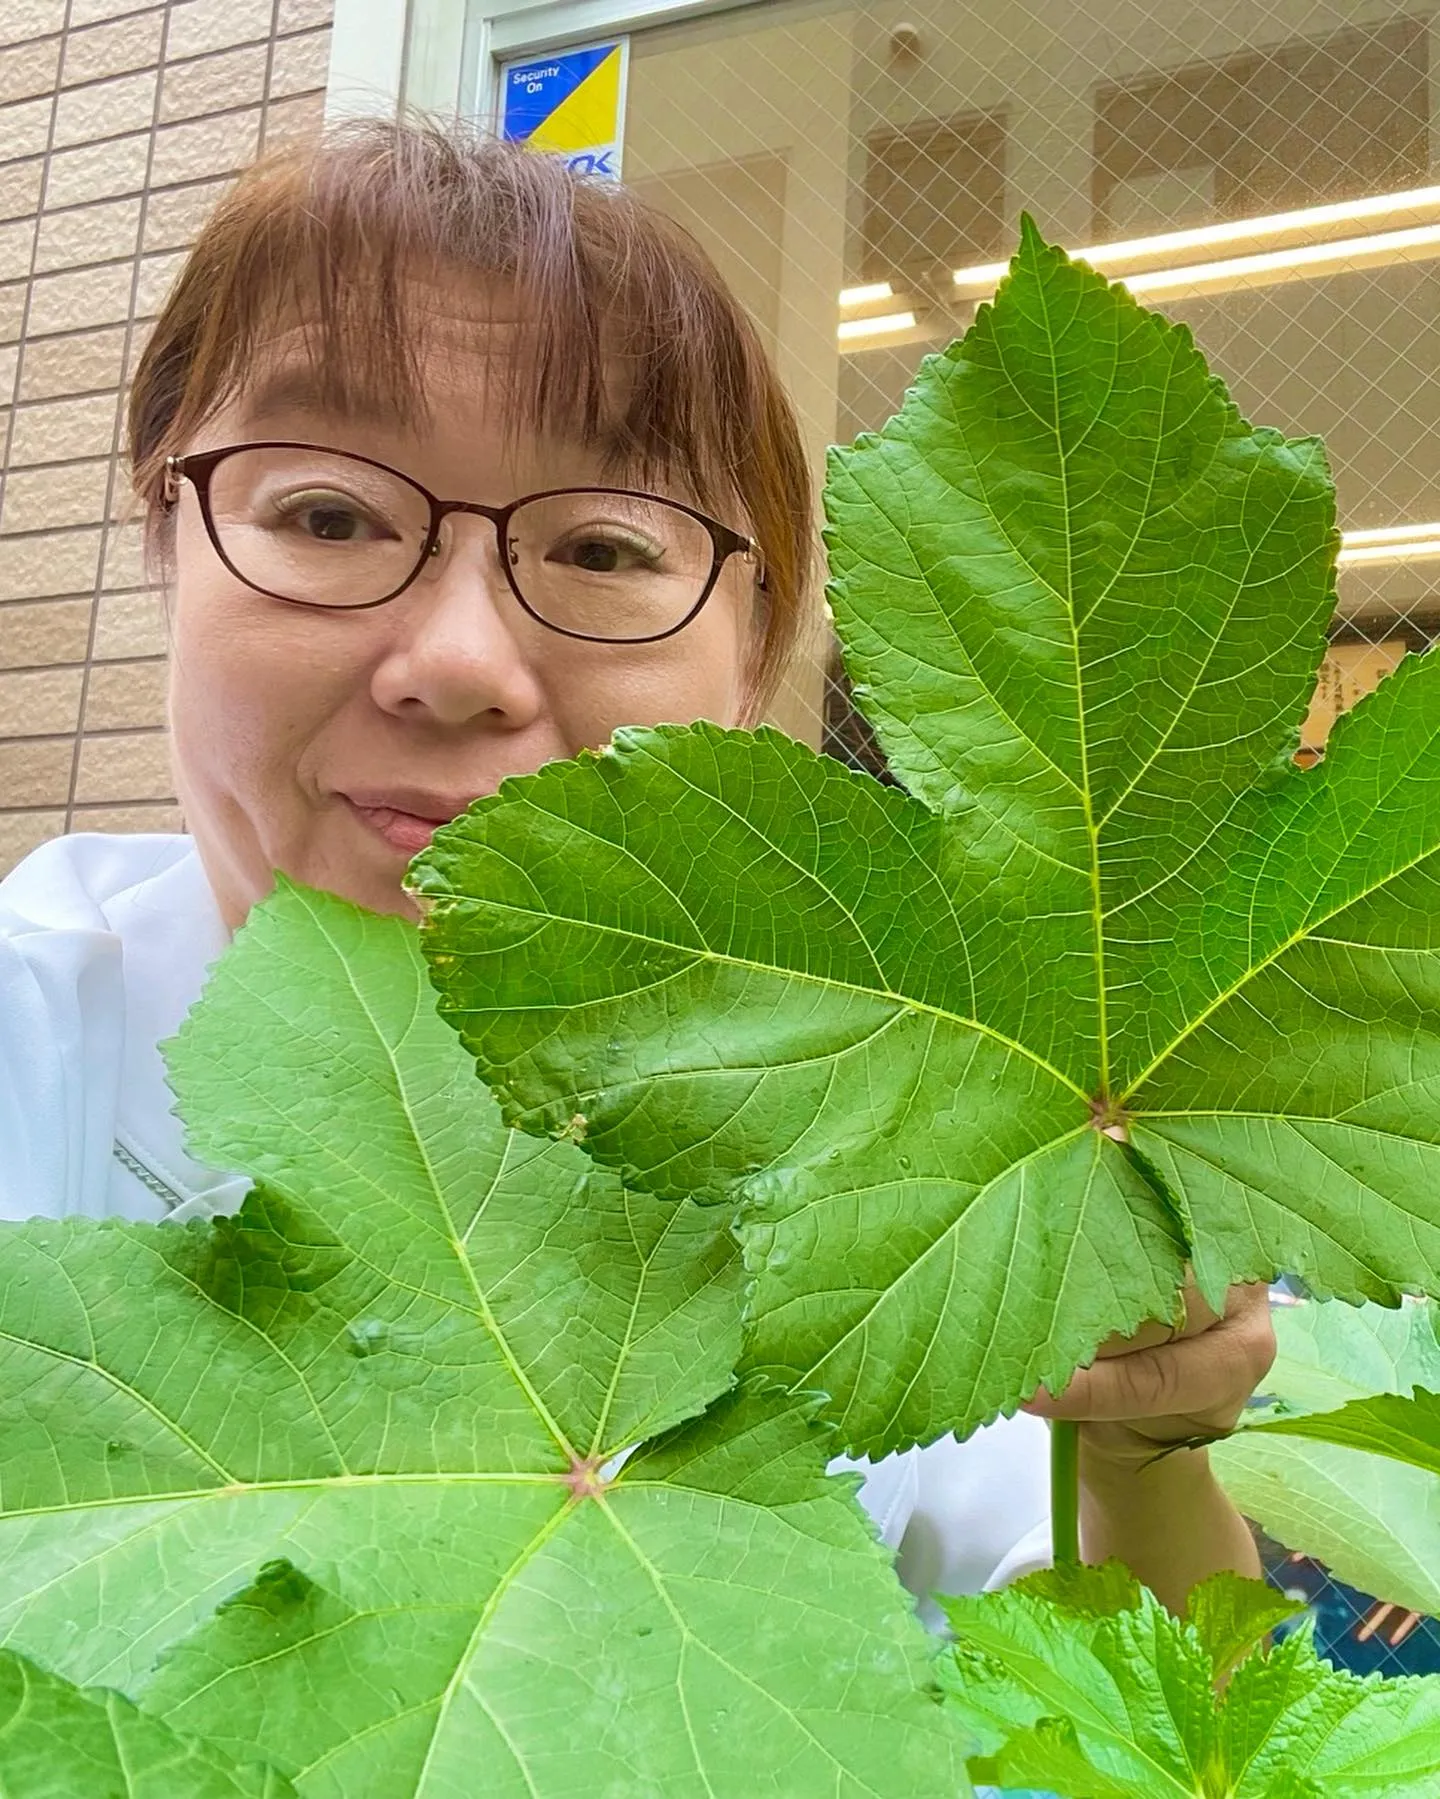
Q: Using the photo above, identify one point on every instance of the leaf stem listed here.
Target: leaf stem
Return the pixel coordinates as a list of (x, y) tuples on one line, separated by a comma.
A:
[(1065, 1492)]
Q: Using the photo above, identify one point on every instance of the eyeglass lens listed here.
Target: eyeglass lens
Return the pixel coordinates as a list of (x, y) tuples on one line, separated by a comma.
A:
[(329, 530)]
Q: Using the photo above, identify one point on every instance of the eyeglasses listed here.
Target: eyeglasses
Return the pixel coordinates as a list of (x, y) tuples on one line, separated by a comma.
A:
[(319, 527)]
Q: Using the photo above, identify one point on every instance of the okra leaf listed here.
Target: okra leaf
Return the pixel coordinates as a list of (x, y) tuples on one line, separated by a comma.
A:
[(1387, 1424), (1113, 987), (1344, 1463), (1231, 1615), (1100, 1703), (428, 1466), (1329, 1353), (1373, 1522)]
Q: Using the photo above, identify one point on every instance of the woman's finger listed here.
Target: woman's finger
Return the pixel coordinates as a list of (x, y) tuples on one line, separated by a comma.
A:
[(1206, 1377), (1194, 1316)]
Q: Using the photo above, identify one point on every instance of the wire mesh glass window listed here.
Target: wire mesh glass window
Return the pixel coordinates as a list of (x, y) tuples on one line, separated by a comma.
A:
[(1264, 170), (1296, 123), (844, 162)]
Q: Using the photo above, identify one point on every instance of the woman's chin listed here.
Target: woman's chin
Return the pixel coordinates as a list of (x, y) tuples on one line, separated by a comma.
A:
[(346, 857), (378, 894)]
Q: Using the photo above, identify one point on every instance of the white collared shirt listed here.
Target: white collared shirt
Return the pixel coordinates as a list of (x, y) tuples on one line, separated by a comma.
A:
[(104, 947)]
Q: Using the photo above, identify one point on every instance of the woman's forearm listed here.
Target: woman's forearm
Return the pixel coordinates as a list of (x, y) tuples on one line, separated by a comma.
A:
[(1168, 1519)]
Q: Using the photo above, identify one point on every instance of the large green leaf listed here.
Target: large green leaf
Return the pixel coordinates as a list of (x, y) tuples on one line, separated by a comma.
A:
[(339, 1480), (1113, 988), (1344, 1464), (1107, 1700), (57, 1742)]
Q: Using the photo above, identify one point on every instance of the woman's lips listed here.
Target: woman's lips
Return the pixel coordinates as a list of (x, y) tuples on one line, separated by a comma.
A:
[(407, 832)]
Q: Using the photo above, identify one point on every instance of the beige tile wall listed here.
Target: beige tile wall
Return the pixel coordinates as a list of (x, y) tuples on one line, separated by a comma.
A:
[(120, 124)]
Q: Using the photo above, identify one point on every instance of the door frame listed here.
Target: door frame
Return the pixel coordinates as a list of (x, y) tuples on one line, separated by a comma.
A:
[(443, 56)]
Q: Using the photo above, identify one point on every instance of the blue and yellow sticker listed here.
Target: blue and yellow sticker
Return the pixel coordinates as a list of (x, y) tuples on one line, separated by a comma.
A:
[(570, 103)]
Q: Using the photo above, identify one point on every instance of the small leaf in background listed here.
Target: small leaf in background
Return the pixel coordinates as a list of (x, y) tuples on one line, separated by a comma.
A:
[(1344, 1465), (1329, 1353), (343, 1481), (57, 1742), (1112, 988), (1104, 1703)]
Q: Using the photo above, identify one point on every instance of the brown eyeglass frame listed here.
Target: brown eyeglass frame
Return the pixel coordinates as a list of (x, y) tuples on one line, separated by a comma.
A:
[(199, 469)]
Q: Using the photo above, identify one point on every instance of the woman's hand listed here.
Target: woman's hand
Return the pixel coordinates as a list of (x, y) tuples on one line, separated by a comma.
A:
[(1165, 1516), (1165, 1386)]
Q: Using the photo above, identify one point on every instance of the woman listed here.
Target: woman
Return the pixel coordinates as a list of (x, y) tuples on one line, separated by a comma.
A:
[(378, 433)]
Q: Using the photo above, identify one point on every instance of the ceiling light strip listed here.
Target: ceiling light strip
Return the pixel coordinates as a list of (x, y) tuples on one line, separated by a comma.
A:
[(1389, 246), (1414, 551), (888, 323), (1389, 534), (1231, 231), (868, 295)]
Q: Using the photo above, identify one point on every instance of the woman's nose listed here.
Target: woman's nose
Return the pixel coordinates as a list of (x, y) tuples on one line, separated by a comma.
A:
[(460, 650)]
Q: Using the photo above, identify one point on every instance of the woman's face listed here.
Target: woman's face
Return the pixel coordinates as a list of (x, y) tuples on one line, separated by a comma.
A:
[(327, 744)]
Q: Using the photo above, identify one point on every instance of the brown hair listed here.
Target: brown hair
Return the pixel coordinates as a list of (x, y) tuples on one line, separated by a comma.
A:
[(628, 335)]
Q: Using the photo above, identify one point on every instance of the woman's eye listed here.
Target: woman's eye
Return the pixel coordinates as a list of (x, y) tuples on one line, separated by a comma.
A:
[(333, 523), (609, 555), (599, 557), (331, 518)]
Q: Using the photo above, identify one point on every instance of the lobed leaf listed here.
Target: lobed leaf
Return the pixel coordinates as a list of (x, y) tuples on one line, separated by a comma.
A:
[(428, 1461), (1112, 989), (904, 1129), (1082, 598)]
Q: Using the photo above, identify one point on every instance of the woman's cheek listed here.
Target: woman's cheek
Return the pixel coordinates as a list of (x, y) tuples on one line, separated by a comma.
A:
[(663, 691), (250, 690), (698, 673)]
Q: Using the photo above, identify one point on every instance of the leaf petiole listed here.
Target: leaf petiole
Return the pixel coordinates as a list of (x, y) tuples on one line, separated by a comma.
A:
[(1065, 1492)]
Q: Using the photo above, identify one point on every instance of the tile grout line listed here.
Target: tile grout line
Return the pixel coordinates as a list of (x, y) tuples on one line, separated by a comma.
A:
[(54, 668), (169, 187), (65, 736), (168, 125), (34, 255), (42, 531), (85, 810), (71, 599), (117, 432), (268, 76)]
